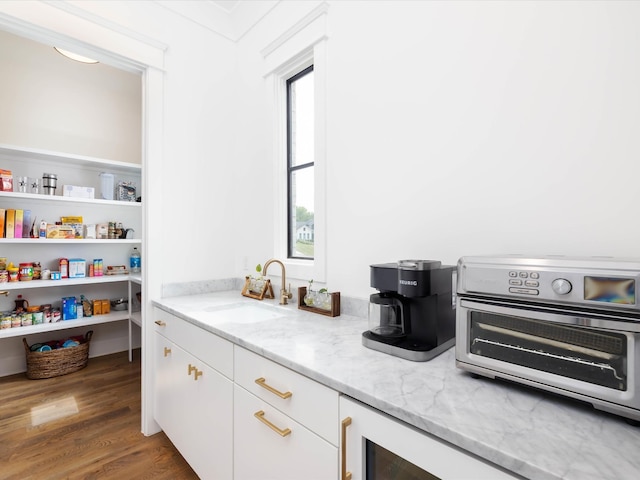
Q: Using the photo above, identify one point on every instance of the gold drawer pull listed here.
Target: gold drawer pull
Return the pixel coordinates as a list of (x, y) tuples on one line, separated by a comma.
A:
[(167, 351), (262, 382), (191, 369), (198, 374), (160, 323), (345, 475), (260, 416)]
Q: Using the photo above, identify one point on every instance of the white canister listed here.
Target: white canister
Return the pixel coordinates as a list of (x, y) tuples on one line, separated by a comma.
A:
[(107, 185)]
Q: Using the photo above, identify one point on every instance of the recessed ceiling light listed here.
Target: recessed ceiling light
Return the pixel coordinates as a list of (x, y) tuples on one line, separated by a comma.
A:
[(75, 56)]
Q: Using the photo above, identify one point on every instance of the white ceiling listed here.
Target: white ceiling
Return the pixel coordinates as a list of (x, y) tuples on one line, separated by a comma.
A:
[(226, 5)]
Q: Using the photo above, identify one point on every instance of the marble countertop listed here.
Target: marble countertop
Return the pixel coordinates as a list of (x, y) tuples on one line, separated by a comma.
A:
[(534, 434)]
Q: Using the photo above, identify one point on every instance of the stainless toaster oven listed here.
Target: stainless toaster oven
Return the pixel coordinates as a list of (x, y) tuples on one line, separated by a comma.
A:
[(564, 324)]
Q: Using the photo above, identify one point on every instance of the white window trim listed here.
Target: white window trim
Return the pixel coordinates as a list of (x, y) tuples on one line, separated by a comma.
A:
[(302, 269)]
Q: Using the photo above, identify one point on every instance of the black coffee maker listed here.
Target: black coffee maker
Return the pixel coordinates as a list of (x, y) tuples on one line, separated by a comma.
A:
[(413, 316)]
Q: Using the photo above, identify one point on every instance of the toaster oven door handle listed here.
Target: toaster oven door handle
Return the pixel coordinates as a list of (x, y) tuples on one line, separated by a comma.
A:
[(555, 315)]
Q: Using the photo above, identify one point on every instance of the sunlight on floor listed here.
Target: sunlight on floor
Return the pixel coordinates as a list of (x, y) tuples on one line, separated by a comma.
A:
[(55, 410)]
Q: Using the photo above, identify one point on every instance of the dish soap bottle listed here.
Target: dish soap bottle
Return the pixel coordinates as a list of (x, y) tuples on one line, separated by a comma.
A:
[(135, 261)]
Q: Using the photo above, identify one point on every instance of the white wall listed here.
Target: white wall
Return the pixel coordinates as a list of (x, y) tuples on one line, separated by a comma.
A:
[(52, 103), (453, 128), (459, 128)]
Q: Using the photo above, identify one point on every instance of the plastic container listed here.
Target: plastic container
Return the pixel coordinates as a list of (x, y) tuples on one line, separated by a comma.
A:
[(26, 272), (107, 185), (135, 261)]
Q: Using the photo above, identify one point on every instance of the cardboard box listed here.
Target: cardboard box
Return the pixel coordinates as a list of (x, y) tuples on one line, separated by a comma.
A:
[(17, 229), (97, 307), (102, 230), (78, 228), (60, 231), (71, 219), (69, 311), (78, 192), (9, 223), (77, 268), (106, 307)]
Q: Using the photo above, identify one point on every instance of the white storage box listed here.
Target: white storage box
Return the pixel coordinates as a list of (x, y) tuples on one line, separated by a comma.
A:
[(78, 192)]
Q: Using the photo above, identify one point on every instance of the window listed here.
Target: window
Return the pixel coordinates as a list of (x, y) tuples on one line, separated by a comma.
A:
[(296, 84), (300, 165)]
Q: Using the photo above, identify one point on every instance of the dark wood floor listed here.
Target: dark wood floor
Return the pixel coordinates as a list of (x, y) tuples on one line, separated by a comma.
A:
[(85, 425)]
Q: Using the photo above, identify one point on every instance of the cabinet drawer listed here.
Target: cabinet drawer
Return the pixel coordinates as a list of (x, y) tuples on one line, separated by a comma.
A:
[(309, 402), (262, 452), (208, 347)]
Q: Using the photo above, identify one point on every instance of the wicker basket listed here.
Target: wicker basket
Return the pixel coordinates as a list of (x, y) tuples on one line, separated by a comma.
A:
[(60, 361)]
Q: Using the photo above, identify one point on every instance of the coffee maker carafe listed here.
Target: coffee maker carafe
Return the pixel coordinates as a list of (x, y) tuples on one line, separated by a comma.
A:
[(413, 315)]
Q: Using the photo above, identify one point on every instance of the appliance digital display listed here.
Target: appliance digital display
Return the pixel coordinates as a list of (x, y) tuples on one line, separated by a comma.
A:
[(610, 290)]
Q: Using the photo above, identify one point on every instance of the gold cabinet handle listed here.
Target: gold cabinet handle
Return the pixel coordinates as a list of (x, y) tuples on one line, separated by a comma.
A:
[(197, 374), (260, 416), (191, 369), (160, 323), (167, 351), (262, 382), (345, 423)]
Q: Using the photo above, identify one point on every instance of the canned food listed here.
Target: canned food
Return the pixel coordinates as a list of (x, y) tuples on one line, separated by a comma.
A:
[(13, 274), (4, 276), (16, 321), (27, 319), (38, 318), (5, 321)]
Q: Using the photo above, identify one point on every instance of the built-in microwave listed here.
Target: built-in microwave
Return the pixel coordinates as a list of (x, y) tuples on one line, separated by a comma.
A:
[(566, 325)]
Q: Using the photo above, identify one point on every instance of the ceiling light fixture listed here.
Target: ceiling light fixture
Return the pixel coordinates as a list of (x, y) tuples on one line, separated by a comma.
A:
[(75, 56)]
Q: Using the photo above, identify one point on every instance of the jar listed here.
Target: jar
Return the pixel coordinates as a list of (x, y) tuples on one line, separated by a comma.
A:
[(38, 318), (4, 276), (25, 272), (13, 274), (49, 183), (26, 319)]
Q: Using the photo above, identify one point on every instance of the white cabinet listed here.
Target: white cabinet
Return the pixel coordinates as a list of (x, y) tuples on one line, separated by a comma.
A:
[(370, 439), (193, 400), (269, 445), (70, 170), (285, 425)]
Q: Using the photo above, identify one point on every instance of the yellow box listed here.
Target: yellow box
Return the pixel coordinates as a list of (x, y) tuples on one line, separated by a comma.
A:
[(106, 307), (71, 219), (97, 307)]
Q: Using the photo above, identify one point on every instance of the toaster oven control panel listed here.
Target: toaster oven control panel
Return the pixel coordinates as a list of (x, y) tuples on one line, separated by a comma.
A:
[(615, 289)]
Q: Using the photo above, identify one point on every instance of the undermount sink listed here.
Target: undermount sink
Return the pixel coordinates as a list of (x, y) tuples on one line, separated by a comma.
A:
[(245, 313)]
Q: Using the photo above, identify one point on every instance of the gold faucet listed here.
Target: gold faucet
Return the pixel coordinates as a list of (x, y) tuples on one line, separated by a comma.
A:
[(284, 293)]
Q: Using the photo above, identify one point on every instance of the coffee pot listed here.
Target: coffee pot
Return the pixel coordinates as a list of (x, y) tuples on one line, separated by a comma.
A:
[(413, 314), (386, 314)]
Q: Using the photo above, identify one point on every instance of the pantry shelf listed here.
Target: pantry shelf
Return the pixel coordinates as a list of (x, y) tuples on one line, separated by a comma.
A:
[(34, 197), (65, 282), (63, 325), (69, 241)]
